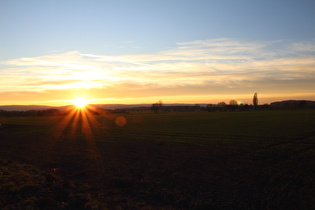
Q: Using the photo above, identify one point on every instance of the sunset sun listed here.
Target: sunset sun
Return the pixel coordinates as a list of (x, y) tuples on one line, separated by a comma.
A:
[(80, 102)]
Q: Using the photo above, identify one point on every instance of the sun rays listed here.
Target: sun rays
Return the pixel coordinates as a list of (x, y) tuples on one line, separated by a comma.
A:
[(78, 124), (77, 128)]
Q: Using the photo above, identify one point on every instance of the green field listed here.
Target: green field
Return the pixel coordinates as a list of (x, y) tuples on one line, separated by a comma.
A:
[(193, 160)]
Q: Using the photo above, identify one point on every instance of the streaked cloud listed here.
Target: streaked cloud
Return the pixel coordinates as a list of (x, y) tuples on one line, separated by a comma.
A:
[(215, 66)]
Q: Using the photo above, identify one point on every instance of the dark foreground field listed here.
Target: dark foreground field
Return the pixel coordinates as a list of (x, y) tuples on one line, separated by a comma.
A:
[(196, 160)]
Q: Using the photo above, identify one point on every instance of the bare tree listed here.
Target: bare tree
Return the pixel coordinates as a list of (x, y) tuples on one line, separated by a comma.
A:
[(209, 107), (255, 101), (221, 104), (233, 103), (157, 106)]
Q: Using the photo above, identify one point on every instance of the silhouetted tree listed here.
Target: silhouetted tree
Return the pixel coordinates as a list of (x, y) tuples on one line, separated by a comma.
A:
[(265, 107), (246, 107), (197, 107), (157, 106), (210, 108), (222, 106), (255, 101), (233, 103), (241, 107)]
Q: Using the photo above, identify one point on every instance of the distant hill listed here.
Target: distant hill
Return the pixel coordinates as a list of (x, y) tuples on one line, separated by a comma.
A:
[(293, 104), (26, 107), (127, 106), (102, 106)]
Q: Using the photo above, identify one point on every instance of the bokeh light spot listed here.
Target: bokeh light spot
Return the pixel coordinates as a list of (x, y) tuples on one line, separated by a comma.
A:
[(121, 121)]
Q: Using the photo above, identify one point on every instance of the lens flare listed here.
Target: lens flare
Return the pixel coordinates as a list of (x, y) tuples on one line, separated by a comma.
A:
[(121, 121)]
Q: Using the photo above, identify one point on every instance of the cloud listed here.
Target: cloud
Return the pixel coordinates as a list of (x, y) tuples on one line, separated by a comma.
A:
[(222, 46), (302, 47), (204, 66)]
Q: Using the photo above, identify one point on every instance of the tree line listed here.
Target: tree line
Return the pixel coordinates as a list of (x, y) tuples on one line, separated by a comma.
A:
[(159, 106), (233, 105)]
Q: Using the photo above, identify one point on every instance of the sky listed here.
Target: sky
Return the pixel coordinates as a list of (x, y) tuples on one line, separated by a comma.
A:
[(143, 51)]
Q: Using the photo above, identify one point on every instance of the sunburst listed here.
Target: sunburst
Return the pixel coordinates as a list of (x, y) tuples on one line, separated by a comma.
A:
[(80, 102)]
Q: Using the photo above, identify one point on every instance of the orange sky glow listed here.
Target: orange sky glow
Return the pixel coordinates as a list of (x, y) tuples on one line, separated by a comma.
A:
[(177, 76), (140, 52)]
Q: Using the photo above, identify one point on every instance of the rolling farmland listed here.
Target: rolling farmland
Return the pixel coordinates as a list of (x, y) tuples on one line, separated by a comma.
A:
[(193, 160)]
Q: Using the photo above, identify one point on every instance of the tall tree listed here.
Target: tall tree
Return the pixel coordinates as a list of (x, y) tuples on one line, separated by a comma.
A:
[(255, 101)]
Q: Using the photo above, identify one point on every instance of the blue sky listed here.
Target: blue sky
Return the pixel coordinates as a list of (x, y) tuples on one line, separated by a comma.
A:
[(142, 50)]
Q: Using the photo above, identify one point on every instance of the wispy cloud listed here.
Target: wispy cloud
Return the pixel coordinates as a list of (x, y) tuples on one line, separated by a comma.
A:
[(204, 66)]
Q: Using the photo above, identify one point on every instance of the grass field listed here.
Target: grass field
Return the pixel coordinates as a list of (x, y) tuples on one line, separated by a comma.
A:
[(193, 160)]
